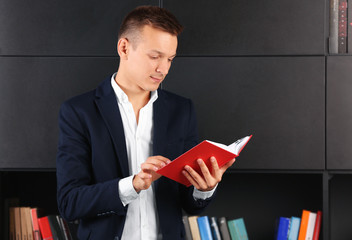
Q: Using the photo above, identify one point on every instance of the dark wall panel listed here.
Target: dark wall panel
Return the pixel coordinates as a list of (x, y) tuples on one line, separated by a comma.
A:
[(243, 27), (279, 100), (339, 112), (31, 92), (83, 27)]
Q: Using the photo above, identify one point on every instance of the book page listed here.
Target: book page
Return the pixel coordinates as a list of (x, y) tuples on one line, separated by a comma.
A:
[(235, 147)]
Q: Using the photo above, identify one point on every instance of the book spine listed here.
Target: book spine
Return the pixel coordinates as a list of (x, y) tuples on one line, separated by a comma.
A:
[(194, 227), (204, 228), (34, 217), (241, 228), (294, 228), (304, 225), (45, 229), (317, 223), (215, 228), (224, 229), (187, 228), (333, 38), (233, 231), (18, 234), (342, 30), (282, 228), (311, 225)]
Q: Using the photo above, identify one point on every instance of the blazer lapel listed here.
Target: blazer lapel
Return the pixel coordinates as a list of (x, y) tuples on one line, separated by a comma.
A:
[(160, 121), (107, 105)]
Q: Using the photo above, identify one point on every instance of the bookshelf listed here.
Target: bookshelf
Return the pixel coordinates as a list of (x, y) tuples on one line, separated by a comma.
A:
[(266, 63)]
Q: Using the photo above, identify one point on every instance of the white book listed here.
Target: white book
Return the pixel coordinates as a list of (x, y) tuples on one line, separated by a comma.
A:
[(311, 225)]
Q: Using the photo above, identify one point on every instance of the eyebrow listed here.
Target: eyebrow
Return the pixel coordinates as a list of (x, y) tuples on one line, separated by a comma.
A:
[(161, 53)]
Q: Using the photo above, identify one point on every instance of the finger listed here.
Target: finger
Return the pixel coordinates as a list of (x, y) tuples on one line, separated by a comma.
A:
[(227, 165), (196, 177), (158, 161), (144, 175), (204, 169), (214, 166), (210, 179), (190, 179), (149, 167)]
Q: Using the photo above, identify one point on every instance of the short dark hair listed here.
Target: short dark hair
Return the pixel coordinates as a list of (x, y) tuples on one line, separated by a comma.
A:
[(153, 16)]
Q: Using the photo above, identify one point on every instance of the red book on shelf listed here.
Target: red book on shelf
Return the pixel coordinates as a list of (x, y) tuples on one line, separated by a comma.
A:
[(317, 226), (35, 225), (204, 151), (45, 229)]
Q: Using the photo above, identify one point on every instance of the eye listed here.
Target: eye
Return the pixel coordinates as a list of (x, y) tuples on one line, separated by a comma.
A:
[(170, 60), (154, 57)]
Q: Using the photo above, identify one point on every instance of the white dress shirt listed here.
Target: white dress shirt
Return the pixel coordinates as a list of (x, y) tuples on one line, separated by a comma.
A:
[(141, 219)]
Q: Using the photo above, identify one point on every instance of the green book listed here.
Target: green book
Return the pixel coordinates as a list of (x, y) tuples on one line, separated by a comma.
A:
[(237, 229)]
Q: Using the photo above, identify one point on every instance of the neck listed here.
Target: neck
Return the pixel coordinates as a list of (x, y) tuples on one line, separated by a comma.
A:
[(136, 96)]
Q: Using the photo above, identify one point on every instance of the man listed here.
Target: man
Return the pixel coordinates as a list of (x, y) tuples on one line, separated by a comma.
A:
[(114, 139)]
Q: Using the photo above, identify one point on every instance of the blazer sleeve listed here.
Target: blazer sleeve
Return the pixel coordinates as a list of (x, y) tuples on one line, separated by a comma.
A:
[(78, 194)]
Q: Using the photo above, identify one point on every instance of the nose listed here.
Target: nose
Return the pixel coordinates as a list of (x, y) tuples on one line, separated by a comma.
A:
[(163, 67)]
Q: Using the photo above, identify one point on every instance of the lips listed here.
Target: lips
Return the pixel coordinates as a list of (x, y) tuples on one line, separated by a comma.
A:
[(156, 78)]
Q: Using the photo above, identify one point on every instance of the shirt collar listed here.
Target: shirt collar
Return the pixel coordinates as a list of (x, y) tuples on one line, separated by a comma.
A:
[(121, 95)]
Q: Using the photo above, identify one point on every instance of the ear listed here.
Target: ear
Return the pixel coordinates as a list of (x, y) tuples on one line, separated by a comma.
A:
[(123, 46)]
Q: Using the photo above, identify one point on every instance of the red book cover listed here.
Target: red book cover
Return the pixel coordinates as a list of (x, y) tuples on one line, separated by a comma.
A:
[(204, 151), (45, 229), (317, 226)]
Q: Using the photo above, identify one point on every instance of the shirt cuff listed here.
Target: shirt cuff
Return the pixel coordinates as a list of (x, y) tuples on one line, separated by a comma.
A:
[(203, 195), (127, 193)]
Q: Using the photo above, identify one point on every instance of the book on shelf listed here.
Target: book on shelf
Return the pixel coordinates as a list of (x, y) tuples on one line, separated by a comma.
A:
[(204, 228), (204, 151), (215, 228), (187, 227), (304, 224), (224, 230), (12, 228), (237, 229), (311, 225), (282, 228), (34, 218), (17, 216), (8, 217), (193, 224), (294, 228), (317, 225), (45, 229), (26, 223), (55, 227), (30, 224)]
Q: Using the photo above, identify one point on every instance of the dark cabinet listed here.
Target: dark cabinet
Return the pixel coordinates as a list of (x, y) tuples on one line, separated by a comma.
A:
[(250, 67)]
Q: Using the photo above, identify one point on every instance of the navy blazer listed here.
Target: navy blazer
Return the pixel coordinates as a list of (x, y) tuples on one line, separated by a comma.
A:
[(92, 158)]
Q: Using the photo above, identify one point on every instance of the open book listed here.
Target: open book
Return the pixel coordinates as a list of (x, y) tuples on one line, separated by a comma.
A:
[(204, 151)]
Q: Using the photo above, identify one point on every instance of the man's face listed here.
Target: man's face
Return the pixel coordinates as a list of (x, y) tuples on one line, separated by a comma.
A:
[(149, 61)]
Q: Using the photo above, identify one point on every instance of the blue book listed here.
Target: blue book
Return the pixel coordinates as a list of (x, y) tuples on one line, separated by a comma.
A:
[(237, 229), (204, 228), (282, 228), (294, 228)]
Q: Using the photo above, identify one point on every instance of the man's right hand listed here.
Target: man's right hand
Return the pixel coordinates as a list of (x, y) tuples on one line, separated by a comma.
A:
[(147, 175)]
